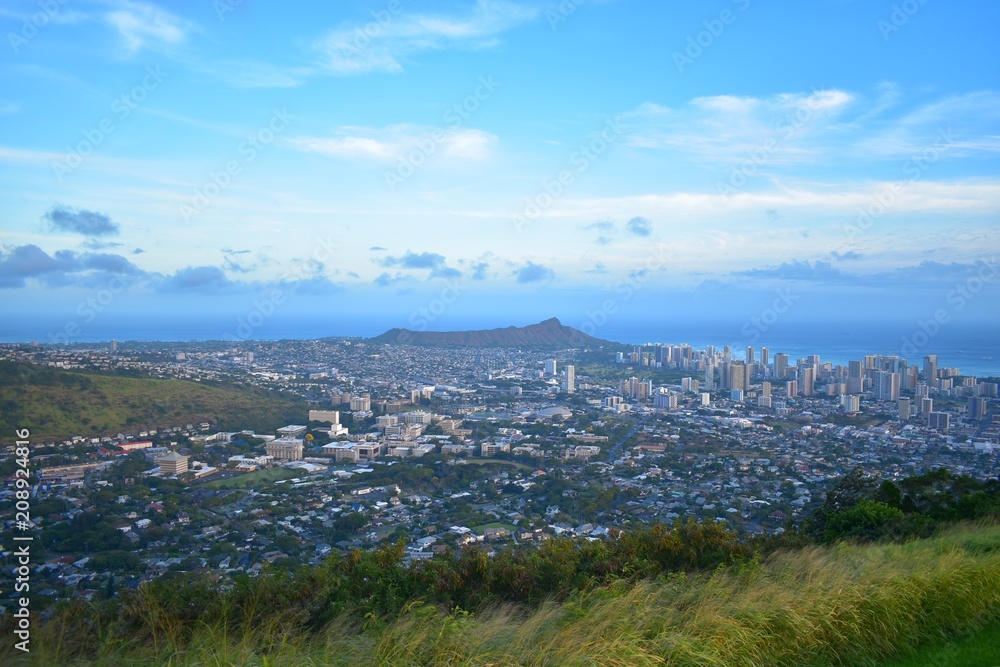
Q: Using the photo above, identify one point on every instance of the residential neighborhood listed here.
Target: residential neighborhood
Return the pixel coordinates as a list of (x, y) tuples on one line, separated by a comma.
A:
[(440, 448)]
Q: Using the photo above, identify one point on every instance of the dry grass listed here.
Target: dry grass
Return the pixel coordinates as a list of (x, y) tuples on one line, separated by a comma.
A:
[(845, 605)]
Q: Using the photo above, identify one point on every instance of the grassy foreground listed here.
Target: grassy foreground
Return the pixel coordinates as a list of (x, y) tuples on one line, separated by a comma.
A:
[(839, 605), (980, 650)]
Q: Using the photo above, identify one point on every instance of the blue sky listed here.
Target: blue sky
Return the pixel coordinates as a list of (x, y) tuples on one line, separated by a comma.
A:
[(440, 164)]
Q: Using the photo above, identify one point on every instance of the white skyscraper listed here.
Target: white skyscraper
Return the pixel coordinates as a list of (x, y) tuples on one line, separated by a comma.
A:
[(570, 384), (550, 367), (887, 386)]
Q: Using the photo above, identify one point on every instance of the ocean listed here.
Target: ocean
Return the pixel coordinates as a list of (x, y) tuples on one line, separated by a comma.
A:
[(975, 350)]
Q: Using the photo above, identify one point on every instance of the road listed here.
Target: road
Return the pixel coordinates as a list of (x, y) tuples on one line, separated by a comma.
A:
[(616, 449)]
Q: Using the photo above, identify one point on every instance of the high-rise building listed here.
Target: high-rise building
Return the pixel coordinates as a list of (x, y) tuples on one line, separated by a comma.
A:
[(931, 369), (886, 386), (765, 389), (748, 369), (853, 369), (328, 416), (926, 406), (709, 376), (765, 356), (903, 408), (750, 357), (665, 401), (807, 380), (550, 367), (977, 407), (570, 383), (792, 388), (780, 365), (663, 354), (939, 421), (644, 390), (739, 376)]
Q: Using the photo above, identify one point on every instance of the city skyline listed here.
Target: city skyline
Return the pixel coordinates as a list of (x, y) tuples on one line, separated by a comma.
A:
[(477, 164)]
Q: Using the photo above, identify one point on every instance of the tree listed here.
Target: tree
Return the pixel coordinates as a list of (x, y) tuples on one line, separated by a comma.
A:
[(890, 494), (850, 491), (869, 519)]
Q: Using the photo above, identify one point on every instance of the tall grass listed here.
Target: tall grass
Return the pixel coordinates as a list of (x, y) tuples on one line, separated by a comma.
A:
[(840, 605)]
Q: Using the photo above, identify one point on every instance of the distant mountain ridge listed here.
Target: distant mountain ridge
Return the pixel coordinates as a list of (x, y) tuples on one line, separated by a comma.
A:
[(549, 333)]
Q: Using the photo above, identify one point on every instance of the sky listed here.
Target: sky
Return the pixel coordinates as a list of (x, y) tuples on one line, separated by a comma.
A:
[(255, 170)]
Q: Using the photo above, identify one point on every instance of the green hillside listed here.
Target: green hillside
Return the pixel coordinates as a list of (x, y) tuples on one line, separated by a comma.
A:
[(845, 604), (55, 404)]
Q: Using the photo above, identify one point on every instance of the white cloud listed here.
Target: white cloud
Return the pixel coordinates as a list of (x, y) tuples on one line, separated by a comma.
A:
[(973, 119), (973, 196), (381, 44), (725, 128), (252, 74), (397, 141), (825, 126), (140, 23)]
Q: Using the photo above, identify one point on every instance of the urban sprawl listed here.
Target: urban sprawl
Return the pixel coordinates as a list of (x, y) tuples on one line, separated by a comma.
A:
[(443, 447)]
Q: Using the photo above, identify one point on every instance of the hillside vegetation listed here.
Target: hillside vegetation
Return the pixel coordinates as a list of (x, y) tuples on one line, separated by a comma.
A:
[(815, 605), (55, 404)]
